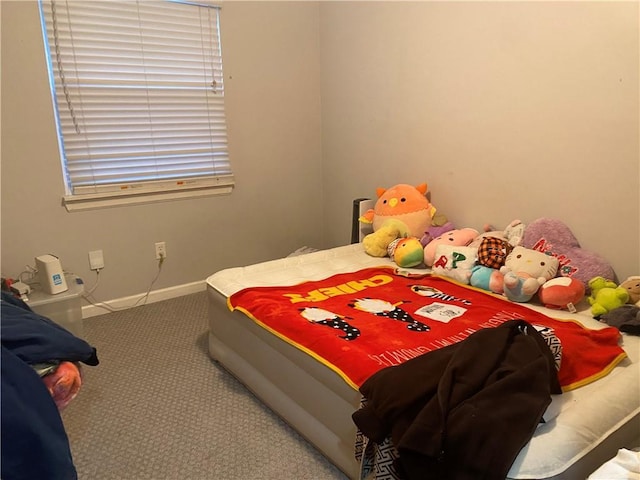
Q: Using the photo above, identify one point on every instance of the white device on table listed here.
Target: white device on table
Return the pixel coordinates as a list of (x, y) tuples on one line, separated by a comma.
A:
[(50, 274)]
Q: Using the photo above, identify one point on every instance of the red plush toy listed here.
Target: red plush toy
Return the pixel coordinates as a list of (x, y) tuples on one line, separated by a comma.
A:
[(561, 293)]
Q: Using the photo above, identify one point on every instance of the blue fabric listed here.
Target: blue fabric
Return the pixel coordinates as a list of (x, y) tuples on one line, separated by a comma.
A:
[(35, 445), (34, 441), (36, 339)]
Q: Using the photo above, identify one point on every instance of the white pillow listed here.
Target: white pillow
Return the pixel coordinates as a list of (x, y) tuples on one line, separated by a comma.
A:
[(455, 262)]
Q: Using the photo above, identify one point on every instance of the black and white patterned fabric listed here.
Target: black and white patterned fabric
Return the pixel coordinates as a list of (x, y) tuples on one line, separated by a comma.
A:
[(377, 460)]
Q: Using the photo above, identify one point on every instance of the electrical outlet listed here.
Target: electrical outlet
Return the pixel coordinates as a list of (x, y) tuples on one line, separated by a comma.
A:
[(161, 250), (96, 260)]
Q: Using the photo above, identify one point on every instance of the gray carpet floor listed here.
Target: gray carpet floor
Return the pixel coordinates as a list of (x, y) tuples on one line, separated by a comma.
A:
[(157, 407)]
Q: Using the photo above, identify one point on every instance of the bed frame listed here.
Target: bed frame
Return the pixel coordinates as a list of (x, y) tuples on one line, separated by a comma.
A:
[(318, 404), (303, 392)]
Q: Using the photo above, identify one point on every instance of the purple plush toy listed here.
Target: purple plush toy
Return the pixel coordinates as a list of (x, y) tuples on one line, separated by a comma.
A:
[(435, 231), (556, 239)]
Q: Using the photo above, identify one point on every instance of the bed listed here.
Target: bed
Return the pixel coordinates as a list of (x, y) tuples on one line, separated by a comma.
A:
[(590, 424)]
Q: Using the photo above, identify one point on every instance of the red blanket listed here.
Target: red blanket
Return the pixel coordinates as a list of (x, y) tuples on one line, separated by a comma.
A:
[(357, 323)]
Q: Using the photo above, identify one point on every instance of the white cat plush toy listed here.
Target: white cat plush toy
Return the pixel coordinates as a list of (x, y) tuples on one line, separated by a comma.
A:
[(525, 270)]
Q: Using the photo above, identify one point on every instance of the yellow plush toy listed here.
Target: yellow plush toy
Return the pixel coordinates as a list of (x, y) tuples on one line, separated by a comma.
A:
[(377, 243), (402, 210), (605, 296)]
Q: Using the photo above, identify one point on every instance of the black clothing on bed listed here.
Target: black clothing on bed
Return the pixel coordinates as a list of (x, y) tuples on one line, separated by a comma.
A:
[(625, 318), (464, 411)]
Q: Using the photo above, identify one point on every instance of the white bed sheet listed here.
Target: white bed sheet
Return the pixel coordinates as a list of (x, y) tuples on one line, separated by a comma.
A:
[(605, 411)]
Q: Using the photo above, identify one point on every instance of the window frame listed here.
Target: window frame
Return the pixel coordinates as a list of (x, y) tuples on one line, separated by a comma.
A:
[(148, 190)]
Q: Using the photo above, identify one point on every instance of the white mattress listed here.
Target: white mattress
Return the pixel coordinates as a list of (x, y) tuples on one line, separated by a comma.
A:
[(293, 270), (607, 410)]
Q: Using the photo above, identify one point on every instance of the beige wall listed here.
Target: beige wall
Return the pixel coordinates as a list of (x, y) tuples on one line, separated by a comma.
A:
[(506, 109), (272, 76)]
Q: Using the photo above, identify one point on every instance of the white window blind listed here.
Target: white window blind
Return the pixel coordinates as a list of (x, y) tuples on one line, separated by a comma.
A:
[(139, 98)]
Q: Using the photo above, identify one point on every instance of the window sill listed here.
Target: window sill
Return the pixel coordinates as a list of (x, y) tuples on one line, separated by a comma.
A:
[(77, 203)]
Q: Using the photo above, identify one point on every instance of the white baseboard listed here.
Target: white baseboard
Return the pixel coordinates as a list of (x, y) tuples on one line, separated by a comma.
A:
[(154, 296)]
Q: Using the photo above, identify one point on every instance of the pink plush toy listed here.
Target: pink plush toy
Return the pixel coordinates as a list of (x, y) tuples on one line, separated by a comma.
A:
[(457, 237), (435, 231)]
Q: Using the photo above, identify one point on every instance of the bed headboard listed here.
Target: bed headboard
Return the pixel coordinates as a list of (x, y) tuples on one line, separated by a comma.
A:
[(359, 230)]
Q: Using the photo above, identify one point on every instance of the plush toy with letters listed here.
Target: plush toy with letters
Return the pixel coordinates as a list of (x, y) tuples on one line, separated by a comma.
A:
[(554, 238), (525, 270), (455, 262), (460, 237)]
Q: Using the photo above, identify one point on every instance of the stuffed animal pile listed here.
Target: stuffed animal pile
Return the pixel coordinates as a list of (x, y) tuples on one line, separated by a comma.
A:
[(542, 259)]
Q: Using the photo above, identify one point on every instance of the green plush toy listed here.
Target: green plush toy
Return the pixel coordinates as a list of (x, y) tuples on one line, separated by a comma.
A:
[(406, 252), (605, 296)]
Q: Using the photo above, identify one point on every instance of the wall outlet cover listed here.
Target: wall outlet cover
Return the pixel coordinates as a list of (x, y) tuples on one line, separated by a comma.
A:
[(96, 260)]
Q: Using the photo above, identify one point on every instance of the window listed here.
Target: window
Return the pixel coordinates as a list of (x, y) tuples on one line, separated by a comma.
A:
[(139, 100)]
